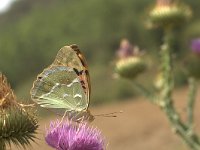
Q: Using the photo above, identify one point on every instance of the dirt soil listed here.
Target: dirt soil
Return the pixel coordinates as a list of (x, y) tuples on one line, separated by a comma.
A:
[(141, 126)]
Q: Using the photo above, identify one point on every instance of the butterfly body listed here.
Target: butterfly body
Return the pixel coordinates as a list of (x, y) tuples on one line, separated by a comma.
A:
[(65, 84)]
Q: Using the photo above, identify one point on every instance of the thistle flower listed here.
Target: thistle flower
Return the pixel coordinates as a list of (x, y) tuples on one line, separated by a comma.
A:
[(195, 46), (74, 136), (129, 63), (125, 49), (169, 12), (17, 124)]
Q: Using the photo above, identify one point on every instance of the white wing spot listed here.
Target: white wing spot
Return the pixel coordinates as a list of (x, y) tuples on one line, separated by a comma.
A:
[(77, 95), (65, 95), (74, 81), (57, 84)]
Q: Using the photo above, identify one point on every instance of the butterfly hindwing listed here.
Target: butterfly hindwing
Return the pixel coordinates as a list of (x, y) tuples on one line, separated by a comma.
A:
[(59, 87)]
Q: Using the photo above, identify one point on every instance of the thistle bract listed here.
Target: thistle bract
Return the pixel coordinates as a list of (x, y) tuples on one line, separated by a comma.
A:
[(130, 67), (74, 136)]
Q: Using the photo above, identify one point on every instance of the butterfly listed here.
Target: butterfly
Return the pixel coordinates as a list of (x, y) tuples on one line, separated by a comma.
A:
[(65, 84)]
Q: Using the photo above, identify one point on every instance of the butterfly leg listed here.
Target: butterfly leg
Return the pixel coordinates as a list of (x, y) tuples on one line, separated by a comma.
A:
[(81, 119), (62, 118), (77, 117)]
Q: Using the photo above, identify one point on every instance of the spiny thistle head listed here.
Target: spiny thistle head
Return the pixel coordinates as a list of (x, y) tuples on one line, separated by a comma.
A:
[(17, 124), (169, 13), (69, 135), (130, 63)]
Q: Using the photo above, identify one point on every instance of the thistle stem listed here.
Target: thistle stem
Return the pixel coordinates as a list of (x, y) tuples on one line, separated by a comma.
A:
[(145, 92), (167, 106), (191, 101)]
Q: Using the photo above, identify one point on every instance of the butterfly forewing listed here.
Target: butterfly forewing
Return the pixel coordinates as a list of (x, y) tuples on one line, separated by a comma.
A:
[(83, 62), (72, 57), (59, 87), (66, 56)]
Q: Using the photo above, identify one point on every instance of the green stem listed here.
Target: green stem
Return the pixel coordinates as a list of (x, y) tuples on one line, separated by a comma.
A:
[(145, 92), (191, 101), (167, 106)]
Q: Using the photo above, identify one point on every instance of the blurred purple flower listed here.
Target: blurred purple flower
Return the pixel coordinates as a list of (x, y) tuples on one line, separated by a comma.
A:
[(74, 136), (195, 45), (125, 49)]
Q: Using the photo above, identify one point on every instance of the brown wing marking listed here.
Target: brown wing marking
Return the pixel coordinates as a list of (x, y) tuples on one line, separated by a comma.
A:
[(83, 74)]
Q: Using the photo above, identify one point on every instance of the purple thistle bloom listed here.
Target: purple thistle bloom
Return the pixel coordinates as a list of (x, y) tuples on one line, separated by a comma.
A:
[(195, 45), (125, 50), (74, 136)]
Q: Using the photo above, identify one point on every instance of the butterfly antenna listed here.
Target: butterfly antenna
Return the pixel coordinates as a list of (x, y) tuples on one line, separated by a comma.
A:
[(109, 114)]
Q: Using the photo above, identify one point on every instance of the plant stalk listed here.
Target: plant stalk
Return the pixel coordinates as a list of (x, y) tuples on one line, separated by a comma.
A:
[(191, 101), (167, 106)]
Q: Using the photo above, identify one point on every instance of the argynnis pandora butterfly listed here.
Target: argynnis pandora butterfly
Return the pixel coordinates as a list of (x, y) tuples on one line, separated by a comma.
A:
[(65, 84)]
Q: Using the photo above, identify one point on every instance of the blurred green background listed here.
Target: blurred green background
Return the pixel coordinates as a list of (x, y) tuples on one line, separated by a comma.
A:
[(32, 31)]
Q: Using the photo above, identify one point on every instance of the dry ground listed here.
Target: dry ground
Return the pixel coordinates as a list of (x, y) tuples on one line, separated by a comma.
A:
[(141, 126)]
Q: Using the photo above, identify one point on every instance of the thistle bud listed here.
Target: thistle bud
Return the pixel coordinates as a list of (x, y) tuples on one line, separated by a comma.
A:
[(130, 63), (169, 13), (130, 67)]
